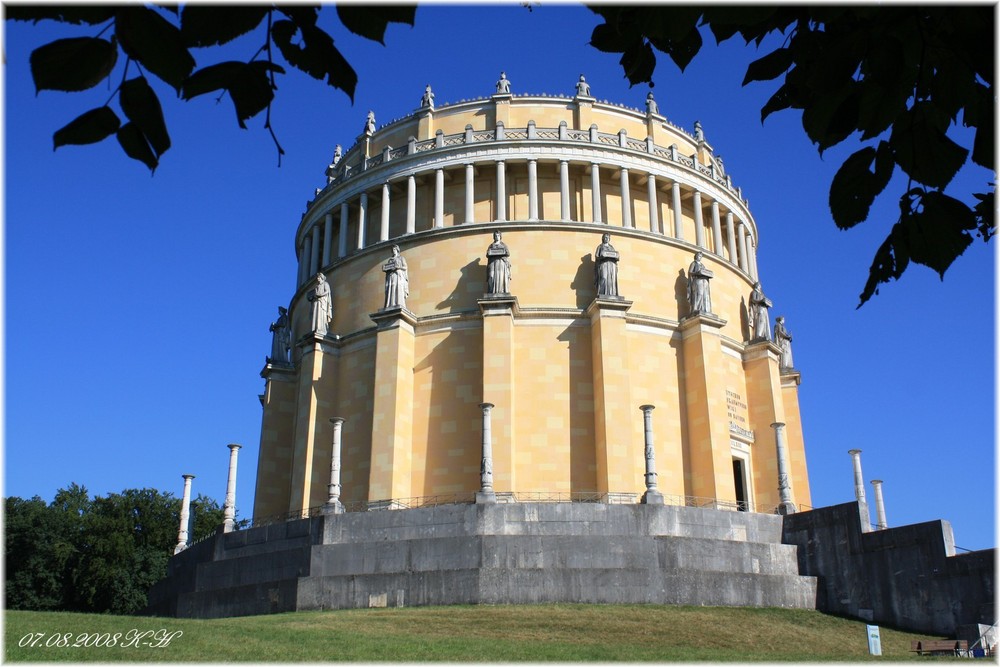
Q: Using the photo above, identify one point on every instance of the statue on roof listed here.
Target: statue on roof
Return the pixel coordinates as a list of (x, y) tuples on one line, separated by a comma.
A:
[(699, 134), (370, 123), (503, 85), (651, 107), (582, 87), (427, 101)]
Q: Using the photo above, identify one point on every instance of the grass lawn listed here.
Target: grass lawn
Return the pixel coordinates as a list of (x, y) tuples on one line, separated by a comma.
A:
[(540, 633)]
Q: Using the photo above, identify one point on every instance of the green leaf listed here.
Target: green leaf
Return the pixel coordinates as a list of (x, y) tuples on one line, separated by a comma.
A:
[(72, 64), (88, 128), (156, 43), (855, 186), (317, 56), (985, 211), (923, 150), (638, 62), (370, 21), (939, 232), (141, 106), (75, 14), (780, 100), (212, 25), (607, 39), (135, 145), (248, 85), (769, 67)]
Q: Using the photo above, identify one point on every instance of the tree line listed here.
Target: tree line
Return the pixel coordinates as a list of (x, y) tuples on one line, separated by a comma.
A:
[(94, 554)]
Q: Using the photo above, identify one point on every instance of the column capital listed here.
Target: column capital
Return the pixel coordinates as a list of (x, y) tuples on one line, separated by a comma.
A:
[(647, 408), (187, 476), (389, 318), (233, 446), (498, 304), (700, 322), (337, 420), (612, 305), (853, 452)]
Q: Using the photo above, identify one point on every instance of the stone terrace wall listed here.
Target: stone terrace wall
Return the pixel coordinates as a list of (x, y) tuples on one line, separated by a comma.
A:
[(907, 577)]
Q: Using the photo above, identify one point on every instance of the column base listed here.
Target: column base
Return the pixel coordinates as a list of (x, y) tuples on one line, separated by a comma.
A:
[(652, 497), (486, 498), (787, 508), (335, 507)]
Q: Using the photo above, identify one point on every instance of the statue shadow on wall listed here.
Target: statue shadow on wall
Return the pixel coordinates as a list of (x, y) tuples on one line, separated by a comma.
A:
[(680, 295), (583, 282), (745, 319), (471, 281)]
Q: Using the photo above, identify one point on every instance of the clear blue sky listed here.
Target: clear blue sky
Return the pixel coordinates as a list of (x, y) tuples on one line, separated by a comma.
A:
[(137, 307)]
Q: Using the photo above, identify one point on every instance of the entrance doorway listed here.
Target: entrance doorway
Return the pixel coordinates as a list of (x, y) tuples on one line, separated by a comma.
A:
[(740, 479)]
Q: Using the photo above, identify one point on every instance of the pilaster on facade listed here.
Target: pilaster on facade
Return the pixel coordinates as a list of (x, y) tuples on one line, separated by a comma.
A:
[(392, 423), (765, 407), (710, 467), (310, 441), (619, 468), (499, 312)]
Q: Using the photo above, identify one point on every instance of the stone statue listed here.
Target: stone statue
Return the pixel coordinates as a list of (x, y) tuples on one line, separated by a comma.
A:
[(651, 106), (783, 338), (606, 268), (337, 156), (370, 123), (699, 134), (503, 85), (699, 296), (498, 272), (582, 87), (280, 337), (428, 99), (322, 305), (397, 280), (760, 320)]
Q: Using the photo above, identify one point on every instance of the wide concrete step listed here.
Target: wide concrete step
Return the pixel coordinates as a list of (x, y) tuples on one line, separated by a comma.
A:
[(535, 586), (558, 551)]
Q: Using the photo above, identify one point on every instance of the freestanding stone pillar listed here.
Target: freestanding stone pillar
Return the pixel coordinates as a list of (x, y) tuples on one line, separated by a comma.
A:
[(182, 534), (880, 522), (333, 504), (229, 511), (859, 490), (785, 505), (652, 495), (486, 493)]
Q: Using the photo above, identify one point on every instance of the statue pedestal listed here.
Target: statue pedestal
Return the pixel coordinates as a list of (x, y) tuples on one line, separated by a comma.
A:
[(333, 508), (499, 312), (486, 497)]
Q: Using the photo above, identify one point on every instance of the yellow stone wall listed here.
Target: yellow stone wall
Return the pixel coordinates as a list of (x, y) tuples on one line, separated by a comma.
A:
[(566, 375)]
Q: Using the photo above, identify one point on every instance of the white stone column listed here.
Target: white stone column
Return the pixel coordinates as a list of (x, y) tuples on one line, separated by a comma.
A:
[(411, 204), (501, 191), (785, 505), (333, 504), (595, 189), (362, 216), (654, 207), (342, 243), (652, 495), (626, 199), (859, 490), (716, 228), (307, 256), (182, 533), (229, 508), (880, 522), (532, 189), (675, 190), (314, 254), (752, 257), (731, 237), (327, 238), (438, 198), (741, 236), (383, 230), (564, 190), (699, 224), (470, 193), (486, 493), (303, 263)]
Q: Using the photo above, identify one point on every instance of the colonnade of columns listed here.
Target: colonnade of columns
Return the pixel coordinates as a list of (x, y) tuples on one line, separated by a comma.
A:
[(859, 495), (739, 244)]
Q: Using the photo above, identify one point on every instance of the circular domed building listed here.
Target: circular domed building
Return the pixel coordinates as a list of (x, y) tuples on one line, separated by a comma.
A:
[(492, 296)]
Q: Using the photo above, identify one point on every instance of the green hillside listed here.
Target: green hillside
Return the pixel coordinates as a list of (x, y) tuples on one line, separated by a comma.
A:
[(575, 633)]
